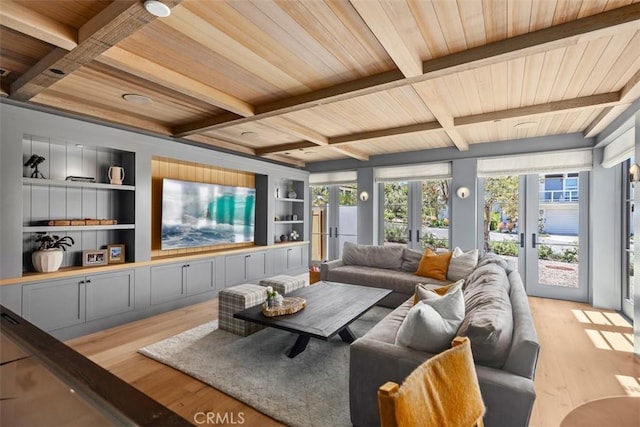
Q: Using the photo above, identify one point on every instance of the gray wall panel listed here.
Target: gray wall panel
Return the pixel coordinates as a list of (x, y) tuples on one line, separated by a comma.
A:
[(57, 161), (464, 222)]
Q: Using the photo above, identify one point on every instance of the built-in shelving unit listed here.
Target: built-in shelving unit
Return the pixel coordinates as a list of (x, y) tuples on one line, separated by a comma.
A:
[(56, 198), (288, 211)]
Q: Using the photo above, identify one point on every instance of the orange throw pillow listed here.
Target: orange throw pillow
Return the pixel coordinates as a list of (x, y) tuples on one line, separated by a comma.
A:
[(434, 265)]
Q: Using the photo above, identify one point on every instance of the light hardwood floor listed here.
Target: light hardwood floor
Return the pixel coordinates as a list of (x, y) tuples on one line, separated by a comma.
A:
[(586, 354)]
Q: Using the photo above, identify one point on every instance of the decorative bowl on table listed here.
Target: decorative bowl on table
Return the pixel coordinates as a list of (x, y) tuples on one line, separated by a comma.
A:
[(289, 305)]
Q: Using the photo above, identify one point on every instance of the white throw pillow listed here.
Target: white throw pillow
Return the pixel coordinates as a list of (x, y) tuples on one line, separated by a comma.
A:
[(432, 323), (462, 264)]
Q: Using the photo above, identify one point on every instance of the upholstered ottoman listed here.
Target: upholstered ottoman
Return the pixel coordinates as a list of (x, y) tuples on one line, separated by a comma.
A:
[(237, 298), (283, 284)]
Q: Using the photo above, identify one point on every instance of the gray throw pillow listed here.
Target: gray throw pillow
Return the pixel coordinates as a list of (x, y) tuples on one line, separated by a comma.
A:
[(462, 264), (432, 323), (410, 260)]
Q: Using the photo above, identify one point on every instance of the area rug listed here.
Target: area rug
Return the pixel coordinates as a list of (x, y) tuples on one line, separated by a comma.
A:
[(311, 389)]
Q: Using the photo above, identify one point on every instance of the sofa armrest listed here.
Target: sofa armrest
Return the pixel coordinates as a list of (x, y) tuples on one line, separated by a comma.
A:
[(508, 397), (523, 355), (373, 363), (326, 266)]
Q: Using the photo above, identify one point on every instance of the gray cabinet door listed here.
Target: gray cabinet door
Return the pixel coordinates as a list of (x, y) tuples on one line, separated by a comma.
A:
[(167, 282), (295, 258), (280, 263), (109, 294), (256, 265), (235, 269), (200, 276), (54, 305)]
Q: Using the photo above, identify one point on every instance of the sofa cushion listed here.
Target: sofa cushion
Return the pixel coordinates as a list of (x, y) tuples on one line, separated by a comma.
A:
[(432, 323), (397, 281), (424, 289), (488, 321), (434, 265), (388, 257), (462, 264), (410, 260)]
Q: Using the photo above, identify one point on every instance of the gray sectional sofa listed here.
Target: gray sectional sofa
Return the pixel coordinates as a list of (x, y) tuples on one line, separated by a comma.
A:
[(497, 321)]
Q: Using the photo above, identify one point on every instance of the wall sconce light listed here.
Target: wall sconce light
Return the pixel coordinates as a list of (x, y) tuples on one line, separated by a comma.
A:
[(463, 192), (364, 196), (634, 173)]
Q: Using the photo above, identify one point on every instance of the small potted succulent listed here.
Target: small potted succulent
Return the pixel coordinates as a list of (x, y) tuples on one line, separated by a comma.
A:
[(48, 257)]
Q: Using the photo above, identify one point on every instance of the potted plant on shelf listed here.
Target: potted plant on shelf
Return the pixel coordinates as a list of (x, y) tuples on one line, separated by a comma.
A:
[(48, 257)]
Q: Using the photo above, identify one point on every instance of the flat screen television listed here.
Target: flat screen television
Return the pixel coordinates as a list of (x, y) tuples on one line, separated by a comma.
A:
[(198, 214)]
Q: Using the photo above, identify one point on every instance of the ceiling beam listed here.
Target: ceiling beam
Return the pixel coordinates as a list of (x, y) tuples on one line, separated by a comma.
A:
[(156, 73), (117, 21), (382, 26), (557, 36), (434, 102), (352, 152), (629, 92), (81, 107), (292, 128), (382, 133), (283, 148), (342, 91), (215, 142), (585, 102), (40, 27)]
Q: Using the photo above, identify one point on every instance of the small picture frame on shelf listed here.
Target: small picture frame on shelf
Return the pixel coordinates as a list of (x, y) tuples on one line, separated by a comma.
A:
[(92, 258), (115, 254)]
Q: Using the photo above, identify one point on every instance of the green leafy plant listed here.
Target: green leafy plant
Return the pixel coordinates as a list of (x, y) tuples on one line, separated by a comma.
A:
[(504, 247), (570, 255), (53, 242), (430, 240), (545, 252)]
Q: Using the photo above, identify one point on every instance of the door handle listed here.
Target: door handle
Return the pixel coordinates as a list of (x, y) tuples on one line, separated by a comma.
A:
[(417, 235), (336, 231), (330, 232), (533, 240), (522, 240), (410, 232)]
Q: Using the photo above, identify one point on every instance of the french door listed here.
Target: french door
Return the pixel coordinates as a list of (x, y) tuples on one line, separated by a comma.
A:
[(539, 223), (334, 220), (415, 213)]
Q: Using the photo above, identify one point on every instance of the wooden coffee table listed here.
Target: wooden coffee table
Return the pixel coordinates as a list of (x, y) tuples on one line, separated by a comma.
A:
[(331, 308)]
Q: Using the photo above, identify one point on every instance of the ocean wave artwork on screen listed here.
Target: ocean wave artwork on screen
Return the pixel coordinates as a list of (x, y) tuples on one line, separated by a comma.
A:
[(199, 214)]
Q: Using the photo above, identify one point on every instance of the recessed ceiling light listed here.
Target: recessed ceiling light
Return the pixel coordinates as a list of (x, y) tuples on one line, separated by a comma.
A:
[(525, 125), (157, 8), (56, 71), (249, 134), (79, 145), (137, 99)]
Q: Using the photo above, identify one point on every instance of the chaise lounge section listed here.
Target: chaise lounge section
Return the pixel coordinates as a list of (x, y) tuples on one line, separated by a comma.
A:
[(499, 324)]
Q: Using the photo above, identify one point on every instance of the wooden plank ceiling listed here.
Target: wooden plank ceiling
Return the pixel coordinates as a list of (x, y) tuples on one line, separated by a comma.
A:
[(314, 80)]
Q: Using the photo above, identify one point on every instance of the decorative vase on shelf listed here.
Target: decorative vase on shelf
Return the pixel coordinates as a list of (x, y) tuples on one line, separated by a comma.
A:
[(292, 194), (283, 238), (47, 260)]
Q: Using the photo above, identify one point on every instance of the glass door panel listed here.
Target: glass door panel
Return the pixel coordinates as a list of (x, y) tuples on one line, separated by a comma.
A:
[(347, 228), (628, 256), (396, 213), (501, 211), (556, 207), (537, 223), (319, 223), (434, 211), (334, 218)]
